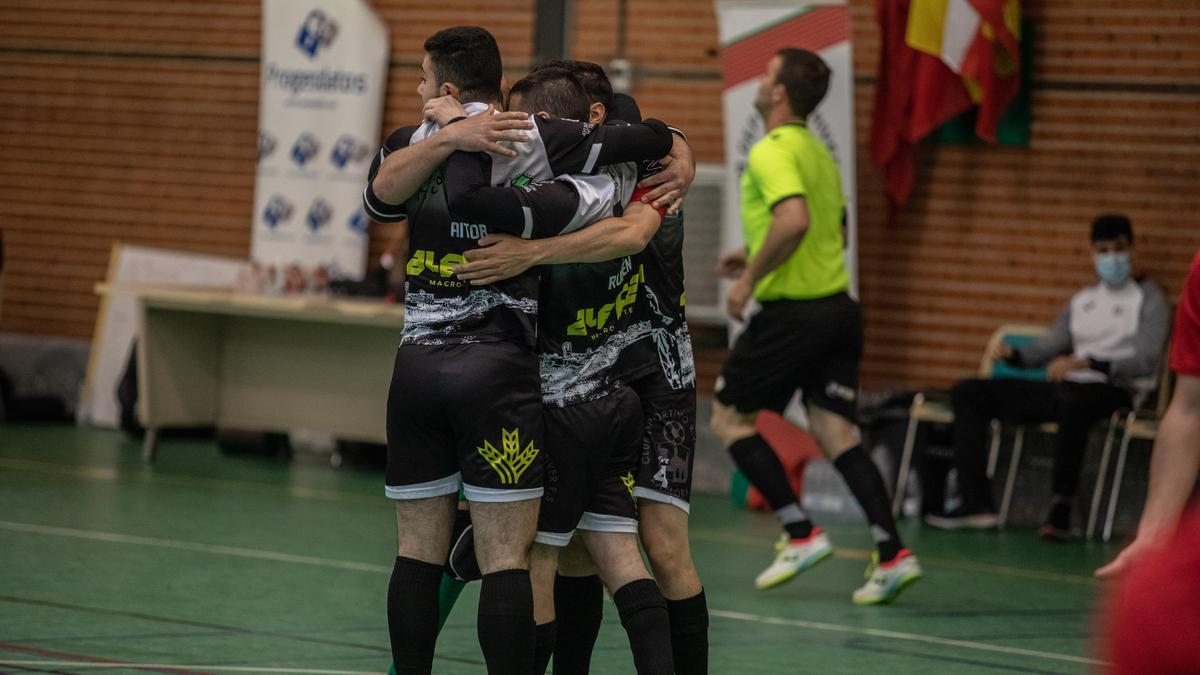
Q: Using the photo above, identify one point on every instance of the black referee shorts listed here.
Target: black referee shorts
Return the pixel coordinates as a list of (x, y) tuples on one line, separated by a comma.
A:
[(469, 415), (811, 345), (591, 459)]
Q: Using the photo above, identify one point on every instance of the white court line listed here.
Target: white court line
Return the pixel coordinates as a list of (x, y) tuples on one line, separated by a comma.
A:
[(911, 637), (381, 569), (180, 666), (192, 546)]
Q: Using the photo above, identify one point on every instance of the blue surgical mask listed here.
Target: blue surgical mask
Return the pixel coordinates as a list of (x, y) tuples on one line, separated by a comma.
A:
[(1113, 268)]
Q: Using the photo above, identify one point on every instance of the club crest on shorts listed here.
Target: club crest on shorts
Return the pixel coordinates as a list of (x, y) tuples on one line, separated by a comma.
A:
[(510, 462)]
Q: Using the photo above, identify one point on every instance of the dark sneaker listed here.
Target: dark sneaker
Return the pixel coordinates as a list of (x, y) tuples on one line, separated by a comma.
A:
[(1057, 526), (961, 519)]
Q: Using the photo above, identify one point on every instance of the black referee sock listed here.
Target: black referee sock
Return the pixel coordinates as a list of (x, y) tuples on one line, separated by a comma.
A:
[(644, 615), (689, 634), (864, 481), (758, 461), (505, 627), (545, 636), (413, 614), (578, 610)]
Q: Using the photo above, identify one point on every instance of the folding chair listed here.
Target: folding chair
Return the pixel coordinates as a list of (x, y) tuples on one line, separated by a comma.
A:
[(1141, 424), (940, 412)]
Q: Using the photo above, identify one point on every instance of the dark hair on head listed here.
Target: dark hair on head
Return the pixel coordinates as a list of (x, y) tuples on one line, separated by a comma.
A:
[(1110, 226), (805, 78), (468, 58), (553, 90), (592, 75)]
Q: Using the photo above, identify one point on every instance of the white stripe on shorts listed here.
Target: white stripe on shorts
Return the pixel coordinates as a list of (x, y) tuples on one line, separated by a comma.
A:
[(434, 488), (559, 539), (598, 522), (656, 496), (497, 495)]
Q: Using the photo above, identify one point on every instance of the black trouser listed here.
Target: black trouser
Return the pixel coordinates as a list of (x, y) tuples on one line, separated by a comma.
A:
[(1073, 406)]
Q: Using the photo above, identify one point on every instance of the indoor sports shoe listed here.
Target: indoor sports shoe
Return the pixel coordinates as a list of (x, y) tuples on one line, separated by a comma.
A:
[(886, 580), (964, 520), (793, 556)]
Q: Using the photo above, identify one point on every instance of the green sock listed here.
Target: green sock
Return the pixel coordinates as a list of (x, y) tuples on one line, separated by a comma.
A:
[(448, 594)]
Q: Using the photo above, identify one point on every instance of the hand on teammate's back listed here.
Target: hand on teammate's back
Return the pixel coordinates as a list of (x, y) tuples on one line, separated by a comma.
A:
[(500, 257), (486, 131), (671, 184)]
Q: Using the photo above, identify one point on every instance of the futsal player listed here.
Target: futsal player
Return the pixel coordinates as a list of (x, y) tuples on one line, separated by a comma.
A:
[(586, 317), (663, 375), (464, 407), (807, 336)]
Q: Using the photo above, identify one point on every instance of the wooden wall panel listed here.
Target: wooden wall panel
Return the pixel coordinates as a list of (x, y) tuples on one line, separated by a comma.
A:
[(135, 120)]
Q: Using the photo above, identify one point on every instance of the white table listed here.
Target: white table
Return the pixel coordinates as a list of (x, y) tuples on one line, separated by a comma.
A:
[(260, 363)]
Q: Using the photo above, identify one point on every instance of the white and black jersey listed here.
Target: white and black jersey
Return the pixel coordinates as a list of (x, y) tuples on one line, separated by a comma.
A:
[(670, 343), (589, 315), (440, 309)]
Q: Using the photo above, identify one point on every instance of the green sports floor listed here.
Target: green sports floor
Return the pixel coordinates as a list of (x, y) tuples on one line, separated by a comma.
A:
[(220, 564)]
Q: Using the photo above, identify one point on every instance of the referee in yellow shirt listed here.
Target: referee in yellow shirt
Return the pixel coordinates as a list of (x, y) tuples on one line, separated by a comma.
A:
[(808, 335)]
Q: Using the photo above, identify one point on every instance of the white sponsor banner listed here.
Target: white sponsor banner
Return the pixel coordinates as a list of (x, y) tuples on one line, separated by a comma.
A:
[(324, 68), (750, 34)]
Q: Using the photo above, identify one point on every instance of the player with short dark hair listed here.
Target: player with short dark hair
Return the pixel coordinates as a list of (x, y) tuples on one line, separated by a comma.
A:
[(808, 334), (465, 406), (662, 373)]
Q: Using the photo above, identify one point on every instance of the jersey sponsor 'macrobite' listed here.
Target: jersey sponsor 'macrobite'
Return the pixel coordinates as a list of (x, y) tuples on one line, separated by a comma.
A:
[(441, 309)]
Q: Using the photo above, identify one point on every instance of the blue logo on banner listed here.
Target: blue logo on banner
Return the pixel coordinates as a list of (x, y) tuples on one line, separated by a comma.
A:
[(305, 148), (358, 222), (266, 145), (278, 211), (317, 31), (346, 150), (318, 214)]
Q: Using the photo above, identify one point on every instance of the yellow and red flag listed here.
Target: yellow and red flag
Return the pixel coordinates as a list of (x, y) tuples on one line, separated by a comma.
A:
[(939, 58)]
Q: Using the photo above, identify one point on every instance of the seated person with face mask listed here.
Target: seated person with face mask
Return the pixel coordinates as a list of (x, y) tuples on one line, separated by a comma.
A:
[(1101, 355)]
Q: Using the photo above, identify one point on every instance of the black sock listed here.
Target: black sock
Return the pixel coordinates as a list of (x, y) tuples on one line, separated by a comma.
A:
[(506, 631), (866, 484), (644, 615), (689, 634), (578, 609), (758, 461), (413, 614), (545, 635)]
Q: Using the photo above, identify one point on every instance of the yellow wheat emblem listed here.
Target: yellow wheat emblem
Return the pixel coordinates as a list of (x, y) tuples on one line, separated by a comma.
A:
[(511, 461), (627, 479)]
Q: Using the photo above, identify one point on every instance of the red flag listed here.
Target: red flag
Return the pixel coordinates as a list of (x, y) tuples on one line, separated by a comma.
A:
[(993, 62), (891, 151)]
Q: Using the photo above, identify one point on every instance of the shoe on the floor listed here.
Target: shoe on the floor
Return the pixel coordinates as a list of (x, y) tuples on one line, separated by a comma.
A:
[(886, 580), (961, 519), (1057, 525), (793, 556)]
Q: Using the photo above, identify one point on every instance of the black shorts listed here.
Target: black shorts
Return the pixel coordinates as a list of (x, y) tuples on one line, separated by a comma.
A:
[(811, 345), (468, 415), (668, 441), (592, 452)]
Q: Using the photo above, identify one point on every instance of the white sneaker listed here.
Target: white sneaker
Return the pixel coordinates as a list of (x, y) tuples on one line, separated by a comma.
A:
[(885, 581), (793, 556), (964, 521)]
